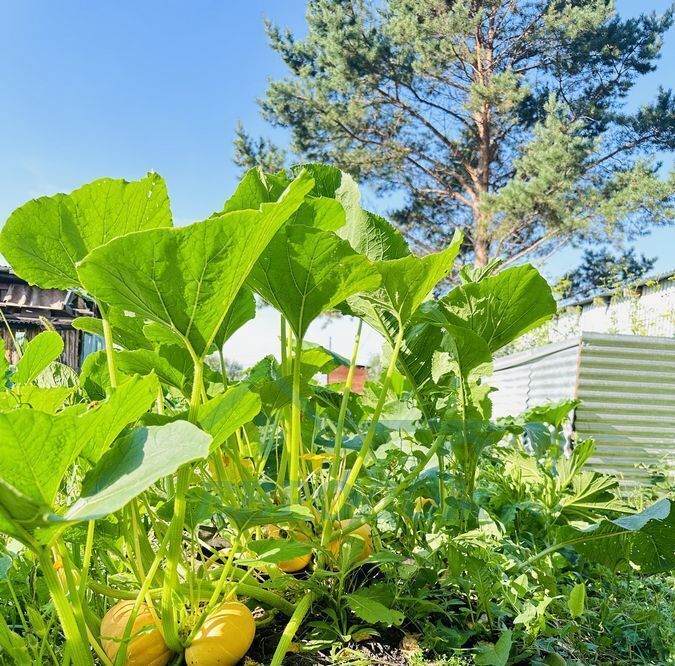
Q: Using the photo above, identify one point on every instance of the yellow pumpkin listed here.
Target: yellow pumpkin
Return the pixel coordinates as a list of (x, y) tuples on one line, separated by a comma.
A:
[(295, 563), (363, 533), (224, 638), (144, 649)]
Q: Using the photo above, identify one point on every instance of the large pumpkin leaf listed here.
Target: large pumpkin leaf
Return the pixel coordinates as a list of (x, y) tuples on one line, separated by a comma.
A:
[(222, 415), (97, 428), (305, 272), (37, 355), (501, 308), (45, 238), (646, 540), (255, 189), (127, 329), (44, 399), (137, 460), (172, 365), (186, 279), (462, 353), (241, 311), (36, 450), (406, 284), (367, 233)]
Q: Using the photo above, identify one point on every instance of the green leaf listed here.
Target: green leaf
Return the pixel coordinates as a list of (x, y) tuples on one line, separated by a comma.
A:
[(241, 311), (200, 506), (94, 377), (245, 518), (4, 364), (406, 283), (172, 365), (37, 355), (99, 427), (367, 233), (591, 493), (18, 512), (255, 189), (13, 645), (372, 611), (576, 602), (137, 461), (222, 415), (646, 540), (43, 399), (320, 213), (45, 238), (462, 353), (373, 236), (279, 550), (186, 279), (305, 272), (127, 329), (497, 654), (501, 308), (36, 450)]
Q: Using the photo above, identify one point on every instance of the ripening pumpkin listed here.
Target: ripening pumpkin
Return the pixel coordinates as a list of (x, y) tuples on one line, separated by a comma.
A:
[(224, 638), (363, 533), (144, 649), (295, 563)]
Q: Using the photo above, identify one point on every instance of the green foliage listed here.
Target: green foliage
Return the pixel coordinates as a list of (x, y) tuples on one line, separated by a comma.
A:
[(154, 478), (44, 239)]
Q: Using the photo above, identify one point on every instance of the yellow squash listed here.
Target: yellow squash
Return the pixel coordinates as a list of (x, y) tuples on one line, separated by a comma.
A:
[(363, 533), (224, 638), (146, 648), (295, 563)]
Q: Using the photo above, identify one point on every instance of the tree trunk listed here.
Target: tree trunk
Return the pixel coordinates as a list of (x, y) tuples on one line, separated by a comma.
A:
[(481, 251)]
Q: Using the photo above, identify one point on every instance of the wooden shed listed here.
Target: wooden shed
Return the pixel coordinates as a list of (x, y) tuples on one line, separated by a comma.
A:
[(28, 310)]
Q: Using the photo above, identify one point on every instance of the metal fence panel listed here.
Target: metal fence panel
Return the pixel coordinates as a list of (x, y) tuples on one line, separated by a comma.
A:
[(626, 385), (627, 392)]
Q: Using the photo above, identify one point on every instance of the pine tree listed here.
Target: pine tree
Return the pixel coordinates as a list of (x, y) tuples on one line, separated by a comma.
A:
[(506, 118), (603, 270)]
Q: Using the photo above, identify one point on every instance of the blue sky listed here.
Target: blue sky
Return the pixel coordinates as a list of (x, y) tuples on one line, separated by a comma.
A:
[(91, 89)]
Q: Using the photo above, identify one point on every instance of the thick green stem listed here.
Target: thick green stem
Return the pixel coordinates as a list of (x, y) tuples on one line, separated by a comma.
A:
[(109, 350), (295, 451), (223, 369), (370, 435), (175, 531), (78, 649), (248, 590), (86, 559), (291, 629), (139, 597)]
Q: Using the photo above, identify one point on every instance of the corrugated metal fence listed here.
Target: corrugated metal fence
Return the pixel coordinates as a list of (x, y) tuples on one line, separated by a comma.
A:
[(626, 385)]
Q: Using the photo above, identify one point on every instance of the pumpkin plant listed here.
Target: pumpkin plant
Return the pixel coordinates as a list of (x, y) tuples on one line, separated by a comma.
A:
[(209, 493)]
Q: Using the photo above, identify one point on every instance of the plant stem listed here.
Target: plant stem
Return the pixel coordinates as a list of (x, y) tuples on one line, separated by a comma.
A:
[(291, 628), (370, 436), (78, 649), (223, 369), (217, 590), (337, 450), (86, 559), (296, 428), (175, 531), (109, 349), (139, 598), (253, 591)]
